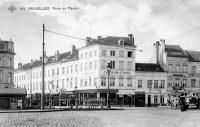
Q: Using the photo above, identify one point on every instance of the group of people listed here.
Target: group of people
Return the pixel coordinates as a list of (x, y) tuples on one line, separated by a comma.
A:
[(184, 100)]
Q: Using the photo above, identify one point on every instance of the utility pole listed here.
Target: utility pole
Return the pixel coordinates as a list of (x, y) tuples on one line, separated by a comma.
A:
[(43, 65)]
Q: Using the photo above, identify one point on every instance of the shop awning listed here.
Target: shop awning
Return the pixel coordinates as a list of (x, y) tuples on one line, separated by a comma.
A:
[(126, 92), (13, 92)]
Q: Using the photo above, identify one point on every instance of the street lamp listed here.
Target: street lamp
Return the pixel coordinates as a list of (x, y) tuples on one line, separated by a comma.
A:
[(108, 72)]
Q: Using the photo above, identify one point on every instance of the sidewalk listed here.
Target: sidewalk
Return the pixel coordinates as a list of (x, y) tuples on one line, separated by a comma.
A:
[(83, 109)]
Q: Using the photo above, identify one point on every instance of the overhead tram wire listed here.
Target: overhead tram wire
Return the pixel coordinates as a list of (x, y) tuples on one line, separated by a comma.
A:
[(180, 35), (65, 35)]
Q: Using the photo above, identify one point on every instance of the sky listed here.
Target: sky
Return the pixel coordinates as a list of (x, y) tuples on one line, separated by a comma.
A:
[(176, 21)]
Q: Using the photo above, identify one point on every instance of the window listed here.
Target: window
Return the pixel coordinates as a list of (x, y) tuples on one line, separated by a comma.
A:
[(63, 81), (86, 67), (63, 70), (121, 65), (57, 86), (184, 83), (112, 81), (76, 68), (156, 99), (162, 84), (193, 69), (177, 83), (130, 65), (85, 83), (95, 64), (81, 67), (36, 85), (155, 83), (129, 82), (67, 69), (162, 100), (52, 72), (149, 84), (169, 83), (71, 68), (184, 68), (178, 68), (121, 81), (90, 54), (86, 55), (103, 64), (95, 53), (90, 81), (82, 56), (139, 83), (193, 81), (112, 53), (130, 54), (112, 64), (90, 67), (103, 81), (95, 81), (121, 53), (170, 68), (81, 83), (57, 71), (76, 82), (103, 53), (71, 83)]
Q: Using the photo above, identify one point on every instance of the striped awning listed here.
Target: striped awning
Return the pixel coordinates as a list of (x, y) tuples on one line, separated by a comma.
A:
[(13, 92)]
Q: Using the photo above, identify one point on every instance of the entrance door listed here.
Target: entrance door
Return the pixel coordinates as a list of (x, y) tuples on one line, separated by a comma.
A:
[(149, 100), (140, 99)]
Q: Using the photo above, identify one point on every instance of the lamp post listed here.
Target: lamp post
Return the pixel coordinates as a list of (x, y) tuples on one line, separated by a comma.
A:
[(108, 92), (43, 67)]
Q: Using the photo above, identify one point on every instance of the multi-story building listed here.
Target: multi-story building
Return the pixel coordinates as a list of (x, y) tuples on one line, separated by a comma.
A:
[(8, 95), (193, 70), (151, 85), (181, 65), (84, 70)]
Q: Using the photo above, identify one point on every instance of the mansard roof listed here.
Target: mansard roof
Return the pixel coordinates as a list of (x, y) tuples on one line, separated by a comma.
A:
[(66, 56), (194, 56), (175, 51), (112, 40), (148, 67)]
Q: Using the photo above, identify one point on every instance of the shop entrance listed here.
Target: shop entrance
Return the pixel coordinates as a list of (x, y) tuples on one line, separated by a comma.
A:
[(149, 100), (140, 99)]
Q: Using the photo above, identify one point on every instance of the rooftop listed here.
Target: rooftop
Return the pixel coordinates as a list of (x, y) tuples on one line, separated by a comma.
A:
[(66, 56), (175, 51), (113, 40), (148, 67), (194, 56)]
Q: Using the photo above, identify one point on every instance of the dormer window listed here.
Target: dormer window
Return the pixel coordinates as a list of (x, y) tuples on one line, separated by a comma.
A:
[(121, 42)]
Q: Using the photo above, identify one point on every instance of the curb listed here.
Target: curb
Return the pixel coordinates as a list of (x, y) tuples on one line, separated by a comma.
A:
[(55, 110)]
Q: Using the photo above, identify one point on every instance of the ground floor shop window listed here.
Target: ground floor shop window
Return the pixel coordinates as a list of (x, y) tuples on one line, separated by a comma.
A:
[(156, 99), (162, 99)]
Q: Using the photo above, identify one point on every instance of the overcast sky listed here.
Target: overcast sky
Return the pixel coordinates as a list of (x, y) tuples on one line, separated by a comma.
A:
[(176, 21)]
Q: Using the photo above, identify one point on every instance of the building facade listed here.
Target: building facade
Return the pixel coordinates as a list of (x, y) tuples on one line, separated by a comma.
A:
[(181, 65), (8, 95), (84, 70), (151, 85)]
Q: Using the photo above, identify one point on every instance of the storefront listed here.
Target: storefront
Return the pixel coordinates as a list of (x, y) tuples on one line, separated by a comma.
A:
[(12, 98)]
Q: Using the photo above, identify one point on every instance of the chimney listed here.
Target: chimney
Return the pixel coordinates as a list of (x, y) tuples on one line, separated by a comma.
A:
[(162, 49), (57, 55), (88, 39), (156, 45), (99, 37), (19, 65), (131, 38), (73, 49)]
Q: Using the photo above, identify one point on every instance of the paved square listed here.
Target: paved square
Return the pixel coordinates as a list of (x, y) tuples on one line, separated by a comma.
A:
[(133, 117)]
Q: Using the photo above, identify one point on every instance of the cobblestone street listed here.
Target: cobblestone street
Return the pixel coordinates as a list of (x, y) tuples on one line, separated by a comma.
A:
[(140, 117)]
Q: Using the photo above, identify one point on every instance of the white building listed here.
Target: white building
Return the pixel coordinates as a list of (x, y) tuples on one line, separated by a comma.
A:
[(84, 70), (151, 85)]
